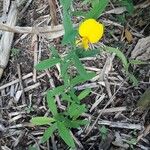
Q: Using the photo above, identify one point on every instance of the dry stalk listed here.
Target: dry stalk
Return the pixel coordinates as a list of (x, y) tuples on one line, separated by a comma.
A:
[(7, 38)]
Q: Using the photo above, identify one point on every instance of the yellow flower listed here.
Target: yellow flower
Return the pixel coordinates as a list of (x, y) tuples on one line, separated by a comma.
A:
[(90, 31)]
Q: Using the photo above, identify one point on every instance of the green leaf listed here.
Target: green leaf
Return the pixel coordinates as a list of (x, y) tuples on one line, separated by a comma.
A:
[(48, 63), (78, 13), (133, 79), (79, 79), (66, 4), (98, 8), (51, 103), (69, 36), (54, 52), (84, 93), (48, 132), (66, 97), (75, 110), (64, 68), (32, 148), (137, 62), (57, 90), (129, 5), (42, 120), (133, 141), (103, 131), (120, 55), (81, 53), (79, 66), (65, 134), (73, 95), (60, 117)]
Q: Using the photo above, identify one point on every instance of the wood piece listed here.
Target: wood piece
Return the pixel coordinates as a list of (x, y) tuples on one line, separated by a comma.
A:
[(142, 50), (97, 102), (34, 47), (109, 102), (33, 30), (21, 84), (53, 12), (16, 81), (121, 125), (111, 110), (31, 87), (7, 38)]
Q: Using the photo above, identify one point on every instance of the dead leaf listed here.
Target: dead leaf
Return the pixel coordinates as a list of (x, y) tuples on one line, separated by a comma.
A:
[(128, 35), (144, 101), (142, 50)]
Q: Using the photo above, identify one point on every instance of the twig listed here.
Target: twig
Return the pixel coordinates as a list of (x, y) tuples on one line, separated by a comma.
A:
[(114, 109), (53, 86), (21, 84), (34, 46), (31, 87), (53, 12), (90, 128), (121, 125), (32, 30), (25, 7), (7, 38), (97, 102)]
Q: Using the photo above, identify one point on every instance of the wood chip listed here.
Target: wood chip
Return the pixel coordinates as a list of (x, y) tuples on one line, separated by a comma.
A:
[(97, 102), (121, 125), (142, 50), (115, 109), (15, 81)]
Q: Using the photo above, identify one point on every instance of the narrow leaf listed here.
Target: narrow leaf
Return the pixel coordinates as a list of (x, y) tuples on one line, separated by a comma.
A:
[(66, 97), (79, 79), (84, 93), (81, 53), (79, 66), (97, 9), (76, 110), (133, 79), (48, 132), (51, 103), (48, 63), (119, 54), (65, 134), (58, 90), (42, 120), (69, 36), (54, 52), (137, 62)]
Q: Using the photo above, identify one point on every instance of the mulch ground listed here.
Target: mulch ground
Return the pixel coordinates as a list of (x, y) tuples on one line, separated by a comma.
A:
[(126, 124)]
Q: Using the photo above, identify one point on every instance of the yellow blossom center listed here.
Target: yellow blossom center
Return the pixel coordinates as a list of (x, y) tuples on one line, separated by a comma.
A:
[(90, 31)]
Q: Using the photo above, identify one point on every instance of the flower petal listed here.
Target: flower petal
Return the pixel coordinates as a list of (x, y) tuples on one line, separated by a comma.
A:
[(92, 30), (85, 43)]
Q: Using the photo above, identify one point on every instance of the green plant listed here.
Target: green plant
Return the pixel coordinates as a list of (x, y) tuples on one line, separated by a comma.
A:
[(62, 121), (70, 118), (128, 4), (103, 132), (132, 142), (15, 52)]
